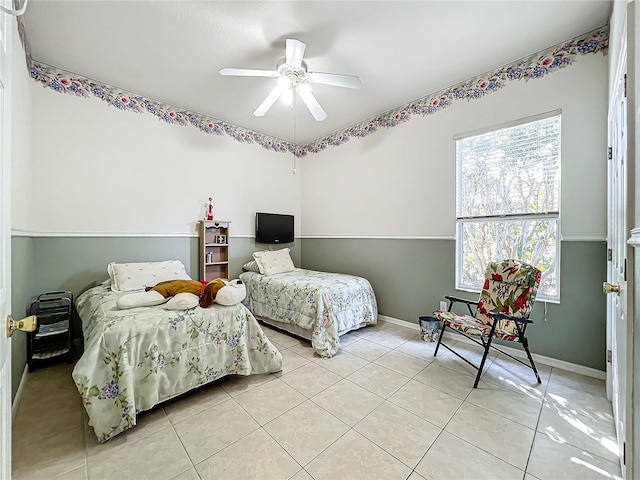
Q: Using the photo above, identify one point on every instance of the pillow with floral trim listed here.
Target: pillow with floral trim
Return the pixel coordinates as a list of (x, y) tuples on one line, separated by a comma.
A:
[(251, 266), (272, 262), (136, 276)]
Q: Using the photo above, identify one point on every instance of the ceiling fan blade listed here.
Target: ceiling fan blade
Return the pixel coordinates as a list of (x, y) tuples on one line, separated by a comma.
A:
[(294, 52), (310, 101), (267, 102), (335, 79), (245, 72)]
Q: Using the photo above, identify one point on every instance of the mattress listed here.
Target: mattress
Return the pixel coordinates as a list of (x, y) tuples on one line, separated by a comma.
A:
[(134, 359), (323, 305)]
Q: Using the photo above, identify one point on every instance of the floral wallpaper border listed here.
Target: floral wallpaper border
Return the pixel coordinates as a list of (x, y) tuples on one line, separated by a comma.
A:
[(534, 66), (65, 82)]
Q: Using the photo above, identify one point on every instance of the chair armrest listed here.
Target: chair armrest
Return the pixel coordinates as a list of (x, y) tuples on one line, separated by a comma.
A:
[(464, 300), (503, 316), (469, 303)]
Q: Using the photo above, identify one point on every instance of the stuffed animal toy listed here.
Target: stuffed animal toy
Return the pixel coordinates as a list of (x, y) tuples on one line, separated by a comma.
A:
[(206, 292), (184, 294)]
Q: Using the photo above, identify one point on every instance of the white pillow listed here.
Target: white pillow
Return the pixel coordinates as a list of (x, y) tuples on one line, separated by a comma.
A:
[(182, 301), (136, 276), (278, 261), (140, 299), (251, 267)]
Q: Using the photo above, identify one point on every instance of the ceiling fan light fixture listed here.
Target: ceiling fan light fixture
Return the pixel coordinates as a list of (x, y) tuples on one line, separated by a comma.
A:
[(286, 97), (284, 84), (286, 91), (293, 77)]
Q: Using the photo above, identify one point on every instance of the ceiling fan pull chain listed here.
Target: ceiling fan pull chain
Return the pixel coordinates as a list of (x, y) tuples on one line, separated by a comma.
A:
[(295, 144)]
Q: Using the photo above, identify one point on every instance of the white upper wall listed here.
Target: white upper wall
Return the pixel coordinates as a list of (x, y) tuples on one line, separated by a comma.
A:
[(21, 172), (98, 170), (401, 182)]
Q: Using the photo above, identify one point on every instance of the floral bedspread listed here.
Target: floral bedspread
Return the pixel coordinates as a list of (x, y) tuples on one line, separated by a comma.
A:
[(134, 359), (327, 304)]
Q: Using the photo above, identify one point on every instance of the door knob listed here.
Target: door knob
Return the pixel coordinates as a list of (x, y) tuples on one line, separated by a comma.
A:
[(609, 288), (27, 324)]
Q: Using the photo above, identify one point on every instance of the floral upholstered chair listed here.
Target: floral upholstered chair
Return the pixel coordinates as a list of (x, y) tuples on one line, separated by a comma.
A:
[(503, 310)]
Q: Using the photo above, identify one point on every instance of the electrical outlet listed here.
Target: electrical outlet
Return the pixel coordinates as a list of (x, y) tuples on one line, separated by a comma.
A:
[(443, 306)]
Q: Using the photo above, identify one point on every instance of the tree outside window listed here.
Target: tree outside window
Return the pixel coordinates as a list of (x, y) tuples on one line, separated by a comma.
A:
[(508, 182)]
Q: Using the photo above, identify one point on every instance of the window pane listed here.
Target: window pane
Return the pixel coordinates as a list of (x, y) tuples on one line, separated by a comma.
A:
[(509, 171), (508, 196), (532, 241)]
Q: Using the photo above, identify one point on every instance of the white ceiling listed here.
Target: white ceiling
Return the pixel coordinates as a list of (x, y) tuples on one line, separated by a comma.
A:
[(402, 50)]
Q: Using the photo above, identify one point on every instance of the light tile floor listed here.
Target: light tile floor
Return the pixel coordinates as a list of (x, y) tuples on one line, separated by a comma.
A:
[(382, 408)]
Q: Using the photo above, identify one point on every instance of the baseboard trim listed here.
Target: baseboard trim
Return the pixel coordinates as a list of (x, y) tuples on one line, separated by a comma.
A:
[(550, 362), (397, 321), (16, 401)]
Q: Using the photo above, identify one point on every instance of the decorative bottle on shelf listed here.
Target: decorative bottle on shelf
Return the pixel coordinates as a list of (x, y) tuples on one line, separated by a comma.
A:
[(210, 213), (209, 257)]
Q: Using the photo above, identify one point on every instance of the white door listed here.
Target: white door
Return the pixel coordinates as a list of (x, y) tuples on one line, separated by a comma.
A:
[(617, 235), (5, 244)]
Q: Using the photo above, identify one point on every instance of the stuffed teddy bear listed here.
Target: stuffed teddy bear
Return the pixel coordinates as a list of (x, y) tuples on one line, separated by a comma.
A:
[(184, 294)]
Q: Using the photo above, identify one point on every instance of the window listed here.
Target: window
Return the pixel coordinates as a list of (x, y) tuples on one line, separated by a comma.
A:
[(507, 200)]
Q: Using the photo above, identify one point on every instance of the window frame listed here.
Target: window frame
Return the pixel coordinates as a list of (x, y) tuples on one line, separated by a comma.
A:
[(548, 216)]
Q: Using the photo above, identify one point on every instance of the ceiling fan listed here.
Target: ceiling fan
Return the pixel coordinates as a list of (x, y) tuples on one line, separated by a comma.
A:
[(293, 77)]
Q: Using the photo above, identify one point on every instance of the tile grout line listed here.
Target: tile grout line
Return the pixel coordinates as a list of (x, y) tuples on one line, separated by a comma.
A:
[(310, 399), (173, 427), (439, 434), (409, 377), (535, 430), (387, 399), (283, 413), (281, 446), (545, 401), (228, 445), (303, 467), (384, 400), (410, 412), (465, 400)]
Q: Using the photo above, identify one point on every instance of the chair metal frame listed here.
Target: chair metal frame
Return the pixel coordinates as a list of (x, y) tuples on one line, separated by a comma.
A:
[(485, 340)]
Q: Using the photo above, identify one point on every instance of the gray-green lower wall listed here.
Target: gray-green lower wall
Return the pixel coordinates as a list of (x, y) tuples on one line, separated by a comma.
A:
[(22, 254), (410, 277), (78, 263), (42, 264)]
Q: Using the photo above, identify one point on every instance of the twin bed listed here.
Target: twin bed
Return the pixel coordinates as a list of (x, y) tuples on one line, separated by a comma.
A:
[(134, 359), (318, 306), (137, 358)]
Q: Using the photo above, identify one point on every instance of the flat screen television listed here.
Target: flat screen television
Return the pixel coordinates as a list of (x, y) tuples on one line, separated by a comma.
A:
[(274, 228)]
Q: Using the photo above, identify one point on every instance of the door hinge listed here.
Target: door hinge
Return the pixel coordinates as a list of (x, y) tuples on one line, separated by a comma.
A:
[(624, 453), (609, 356), (609, 254), (610, 153), (625, 270), (625, 85)]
